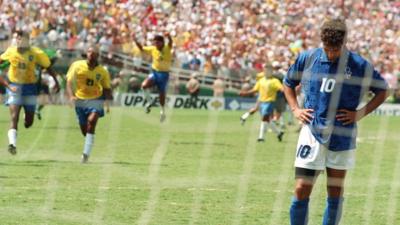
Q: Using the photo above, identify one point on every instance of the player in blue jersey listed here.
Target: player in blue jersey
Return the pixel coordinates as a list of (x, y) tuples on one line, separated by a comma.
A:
[(334, 81)]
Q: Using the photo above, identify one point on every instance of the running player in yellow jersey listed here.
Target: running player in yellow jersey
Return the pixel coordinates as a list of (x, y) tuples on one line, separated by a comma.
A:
[(87, 80), (21, 82), (267, 88), (162, 58), (254, 109)]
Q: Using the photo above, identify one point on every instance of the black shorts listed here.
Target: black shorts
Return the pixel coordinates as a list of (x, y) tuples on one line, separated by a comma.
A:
[(2, 90), (280, 104), (43, 89), (308, 174)]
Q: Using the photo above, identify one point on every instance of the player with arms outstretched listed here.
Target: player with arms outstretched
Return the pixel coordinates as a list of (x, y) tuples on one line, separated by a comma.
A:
[(254, 109), (267, 88)]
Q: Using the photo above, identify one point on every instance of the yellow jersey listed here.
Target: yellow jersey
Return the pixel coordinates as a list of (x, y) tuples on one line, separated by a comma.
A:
[(267, 89), (89, 84), (161, 59), (22, 65)]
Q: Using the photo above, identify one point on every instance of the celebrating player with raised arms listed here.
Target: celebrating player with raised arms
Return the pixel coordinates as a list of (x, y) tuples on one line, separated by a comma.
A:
[(162, 58), (87, 80)]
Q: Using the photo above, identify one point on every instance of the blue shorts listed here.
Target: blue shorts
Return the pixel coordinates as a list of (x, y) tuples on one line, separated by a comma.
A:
[(25, 96), (266, 108), (160, 79), (84, 108)]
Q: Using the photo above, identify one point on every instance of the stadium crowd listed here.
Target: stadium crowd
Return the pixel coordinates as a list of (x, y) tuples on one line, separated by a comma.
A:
[(222, 37)]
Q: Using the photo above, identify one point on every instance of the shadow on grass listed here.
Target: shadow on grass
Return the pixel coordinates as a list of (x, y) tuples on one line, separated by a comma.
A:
[(34, 163), (61, 128), (200, 143), (119, 163), (45, 163)]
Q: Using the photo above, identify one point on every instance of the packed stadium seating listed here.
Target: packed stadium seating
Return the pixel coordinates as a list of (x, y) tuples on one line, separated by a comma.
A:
[(228, 38)]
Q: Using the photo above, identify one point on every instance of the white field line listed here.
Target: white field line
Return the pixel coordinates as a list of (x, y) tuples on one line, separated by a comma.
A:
[(211, 128), (154, 169), (349, 178), (243, 184), (286, 175), (59, 144), (113, 139)]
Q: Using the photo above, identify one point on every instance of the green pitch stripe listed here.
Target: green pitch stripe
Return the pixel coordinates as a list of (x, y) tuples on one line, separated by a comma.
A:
[(375, 171), (392, 209), (59, 145)]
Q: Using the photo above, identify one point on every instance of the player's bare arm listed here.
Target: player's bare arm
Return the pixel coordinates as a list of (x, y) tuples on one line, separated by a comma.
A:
[(304, 115), (70, 91), (247, 93), (7, 85), (349, 117), (170, 42), (139, 45), (108, 94), (4, 82)]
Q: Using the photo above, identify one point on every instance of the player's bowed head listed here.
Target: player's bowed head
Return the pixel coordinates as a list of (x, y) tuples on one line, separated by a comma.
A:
[(333, 37)]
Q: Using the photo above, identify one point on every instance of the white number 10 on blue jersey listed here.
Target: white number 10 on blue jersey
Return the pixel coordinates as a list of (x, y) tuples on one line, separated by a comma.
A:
[(327, 85)]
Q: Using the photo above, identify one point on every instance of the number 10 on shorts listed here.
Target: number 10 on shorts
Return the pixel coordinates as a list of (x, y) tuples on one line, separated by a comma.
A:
[(303, 151)]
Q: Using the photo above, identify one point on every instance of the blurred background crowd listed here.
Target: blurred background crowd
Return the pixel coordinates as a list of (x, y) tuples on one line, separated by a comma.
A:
[(225, 38)]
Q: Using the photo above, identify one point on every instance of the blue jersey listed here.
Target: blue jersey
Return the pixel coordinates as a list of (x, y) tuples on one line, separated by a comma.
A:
[(330, 86)]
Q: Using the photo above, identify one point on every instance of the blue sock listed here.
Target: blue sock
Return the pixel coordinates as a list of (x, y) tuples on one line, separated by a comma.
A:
[(333, 211), (299, 212)]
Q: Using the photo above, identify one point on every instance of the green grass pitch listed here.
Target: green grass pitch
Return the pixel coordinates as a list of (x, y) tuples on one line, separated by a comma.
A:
[(198, 168)]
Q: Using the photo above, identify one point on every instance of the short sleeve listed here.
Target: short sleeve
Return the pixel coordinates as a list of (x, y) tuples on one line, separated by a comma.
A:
[(257, 86), (71, 72), (378, 83), (148, 49), (6, 55), (42, 59), (278, 85), (168, 48), (294, 74)]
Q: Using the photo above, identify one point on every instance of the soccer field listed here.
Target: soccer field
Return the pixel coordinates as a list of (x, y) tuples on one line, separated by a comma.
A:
[(200, 167)]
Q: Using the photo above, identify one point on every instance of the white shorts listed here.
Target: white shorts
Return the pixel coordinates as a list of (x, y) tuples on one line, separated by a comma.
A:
[(311, 154)]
